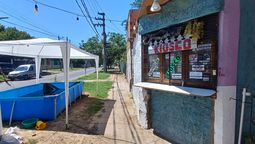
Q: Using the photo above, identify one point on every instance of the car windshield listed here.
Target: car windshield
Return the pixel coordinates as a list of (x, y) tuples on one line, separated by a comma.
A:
[(21, 68)]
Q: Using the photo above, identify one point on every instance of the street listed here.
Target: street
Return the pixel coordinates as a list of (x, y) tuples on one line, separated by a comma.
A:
[(44, 79)]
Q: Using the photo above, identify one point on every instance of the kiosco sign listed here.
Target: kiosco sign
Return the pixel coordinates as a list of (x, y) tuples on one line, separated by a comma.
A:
[(173, 45)]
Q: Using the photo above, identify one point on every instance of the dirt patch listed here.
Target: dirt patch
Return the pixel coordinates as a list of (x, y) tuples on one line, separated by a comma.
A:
[(80, 122)]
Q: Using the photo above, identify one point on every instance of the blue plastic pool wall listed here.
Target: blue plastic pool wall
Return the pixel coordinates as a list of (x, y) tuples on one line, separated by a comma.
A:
[(75, 91), (42, 107)]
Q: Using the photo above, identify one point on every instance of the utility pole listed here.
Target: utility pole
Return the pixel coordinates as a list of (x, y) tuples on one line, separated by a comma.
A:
[(102, 19)]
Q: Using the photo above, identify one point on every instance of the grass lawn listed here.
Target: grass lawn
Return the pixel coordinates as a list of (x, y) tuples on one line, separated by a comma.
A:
[(103, 88), (2, 78), (94, 107), (93, 76)]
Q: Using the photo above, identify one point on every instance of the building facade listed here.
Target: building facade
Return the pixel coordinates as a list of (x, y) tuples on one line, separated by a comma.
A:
[(186, 67), (131, 21)]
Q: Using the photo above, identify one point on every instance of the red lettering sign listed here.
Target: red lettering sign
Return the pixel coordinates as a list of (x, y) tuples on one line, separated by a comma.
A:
[(187, 44), (178, 45), (173, 46)]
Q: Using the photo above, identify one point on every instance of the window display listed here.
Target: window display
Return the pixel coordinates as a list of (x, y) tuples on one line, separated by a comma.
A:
[(184, 54)]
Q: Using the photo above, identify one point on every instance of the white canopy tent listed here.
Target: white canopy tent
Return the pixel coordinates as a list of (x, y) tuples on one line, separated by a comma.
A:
[(47, 48)]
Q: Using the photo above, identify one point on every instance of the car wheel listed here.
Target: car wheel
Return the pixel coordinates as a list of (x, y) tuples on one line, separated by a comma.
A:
[(26, 77)]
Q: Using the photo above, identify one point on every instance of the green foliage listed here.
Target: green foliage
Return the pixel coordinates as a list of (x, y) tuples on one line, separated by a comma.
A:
[(103, 88), (94, 46), (249, 139), (1, 77), (136, 4), (11, 33), (93, 76), (31, 141), (115, 51), (94, 107)]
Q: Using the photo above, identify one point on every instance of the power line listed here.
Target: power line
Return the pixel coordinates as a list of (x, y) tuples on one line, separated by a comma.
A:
[(67, 11), (29, 28), (115, 26), (97, 3), (92, 27), (45, 31), (92, 6), (87, 11)]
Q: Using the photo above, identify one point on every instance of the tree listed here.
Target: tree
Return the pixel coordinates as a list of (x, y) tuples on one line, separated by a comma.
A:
[(94, 46), (117, 48), (115, 52), (136, 4), (11, 33)]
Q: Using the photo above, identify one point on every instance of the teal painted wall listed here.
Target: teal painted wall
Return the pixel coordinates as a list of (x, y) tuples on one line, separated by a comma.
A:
[(246, 64), (182, 119), (178, 11)]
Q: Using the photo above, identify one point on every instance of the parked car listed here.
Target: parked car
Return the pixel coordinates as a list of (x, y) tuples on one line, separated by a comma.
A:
[(23, 72), (6, 68)]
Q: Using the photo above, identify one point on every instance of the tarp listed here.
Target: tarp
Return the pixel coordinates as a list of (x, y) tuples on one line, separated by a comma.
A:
[(47, 48)]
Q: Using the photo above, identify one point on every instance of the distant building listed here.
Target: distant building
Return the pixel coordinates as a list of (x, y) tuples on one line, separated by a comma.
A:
[(131, 32), (15, 61)]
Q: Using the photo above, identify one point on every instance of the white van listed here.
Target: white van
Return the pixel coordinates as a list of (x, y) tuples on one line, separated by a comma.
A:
[(23, 72)]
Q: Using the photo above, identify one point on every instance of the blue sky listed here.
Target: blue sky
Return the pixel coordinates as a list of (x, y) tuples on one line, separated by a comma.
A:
[(60, 23)]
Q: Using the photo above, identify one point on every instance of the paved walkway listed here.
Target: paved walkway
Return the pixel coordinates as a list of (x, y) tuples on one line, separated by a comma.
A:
[(122, 124), (116, 123)]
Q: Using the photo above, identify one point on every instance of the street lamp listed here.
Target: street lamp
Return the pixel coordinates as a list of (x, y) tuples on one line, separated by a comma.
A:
[(155, 6)]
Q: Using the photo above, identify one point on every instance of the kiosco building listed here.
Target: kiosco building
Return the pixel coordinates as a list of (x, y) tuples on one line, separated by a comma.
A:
[(190, 63)]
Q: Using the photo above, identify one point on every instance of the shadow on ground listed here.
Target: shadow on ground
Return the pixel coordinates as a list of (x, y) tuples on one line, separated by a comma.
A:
[(80, 121)]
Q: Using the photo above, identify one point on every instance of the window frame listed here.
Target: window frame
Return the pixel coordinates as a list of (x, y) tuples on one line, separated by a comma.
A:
[(185, 81)]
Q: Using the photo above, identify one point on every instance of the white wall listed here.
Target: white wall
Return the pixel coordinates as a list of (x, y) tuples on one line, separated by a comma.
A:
[(139, 94), (128, 66), (225, 106)]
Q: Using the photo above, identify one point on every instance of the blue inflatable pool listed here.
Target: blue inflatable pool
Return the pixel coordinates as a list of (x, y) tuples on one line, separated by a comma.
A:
[(44, 101)]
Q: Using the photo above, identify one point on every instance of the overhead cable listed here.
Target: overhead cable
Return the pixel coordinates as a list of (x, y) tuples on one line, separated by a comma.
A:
[(30, 28), (67, 11), (92, 27)]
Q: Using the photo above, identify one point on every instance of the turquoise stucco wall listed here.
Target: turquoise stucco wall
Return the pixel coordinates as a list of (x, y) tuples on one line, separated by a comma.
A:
[(182, 119), (178, 11), (246, 64)]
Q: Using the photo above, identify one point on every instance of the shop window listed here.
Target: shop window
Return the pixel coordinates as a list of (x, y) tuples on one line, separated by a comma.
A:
[(184, 54), (154, 64), (173, 66)]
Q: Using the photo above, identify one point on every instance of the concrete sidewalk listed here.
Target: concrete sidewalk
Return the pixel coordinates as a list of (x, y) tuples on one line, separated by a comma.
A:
[(122, 125)]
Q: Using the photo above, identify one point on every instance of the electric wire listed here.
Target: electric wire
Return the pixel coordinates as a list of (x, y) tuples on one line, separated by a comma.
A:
[(29, 28), (108, 18), (92, 7), (87, 19), (24, 21), (88, 14), (67, 11)]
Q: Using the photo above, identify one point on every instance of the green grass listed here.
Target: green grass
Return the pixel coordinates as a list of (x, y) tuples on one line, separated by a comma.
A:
[(103, 88), (2, 78), (31, 141), (94, 107), (93, 76)]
